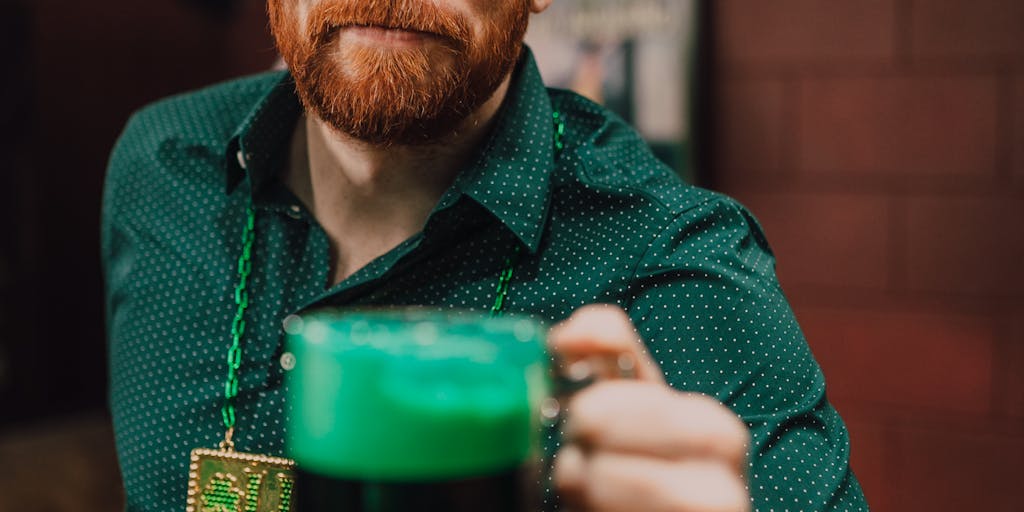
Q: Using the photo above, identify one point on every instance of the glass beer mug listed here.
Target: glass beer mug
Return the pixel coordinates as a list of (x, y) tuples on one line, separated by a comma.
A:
[(416, 409)]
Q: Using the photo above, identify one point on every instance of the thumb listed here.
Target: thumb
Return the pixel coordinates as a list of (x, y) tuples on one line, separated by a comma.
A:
[(603, 335)]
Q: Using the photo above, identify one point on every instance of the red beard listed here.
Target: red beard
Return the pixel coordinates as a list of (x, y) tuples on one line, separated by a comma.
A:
[(397, 95)]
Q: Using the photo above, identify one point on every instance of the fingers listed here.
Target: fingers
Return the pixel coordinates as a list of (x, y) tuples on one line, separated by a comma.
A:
[(674, 425), (638, 444), (611, 482), (602, 330)]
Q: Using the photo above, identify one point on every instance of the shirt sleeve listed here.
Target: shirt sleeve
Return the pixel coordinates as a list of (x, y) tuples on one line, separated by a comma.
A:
[(706, 301), (116, 253)]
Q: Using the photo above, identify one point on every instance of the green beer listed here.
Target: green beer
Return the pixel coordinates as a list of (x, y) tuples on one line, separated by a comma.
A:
[(414, 409)]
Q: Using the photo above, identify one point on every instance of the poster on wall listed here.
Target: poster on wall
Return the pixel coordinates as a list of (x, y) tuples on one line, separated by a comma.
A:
[(632, 56)]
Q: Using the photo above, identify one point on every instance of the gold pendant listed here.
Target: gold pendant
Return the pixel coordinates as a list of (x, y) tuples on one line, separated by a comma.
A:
[(228, 481)]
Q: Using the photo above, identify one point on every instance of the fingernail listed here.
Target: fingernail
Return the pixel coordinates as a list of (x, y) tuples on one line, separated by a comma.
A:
[(569, 468), (627, 366)]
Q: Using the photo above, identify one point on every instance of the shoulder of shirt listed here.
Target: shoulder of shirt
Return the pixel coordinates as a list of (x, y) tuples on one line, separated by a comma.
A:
[(207, 116), (610, 154), (194, 128)]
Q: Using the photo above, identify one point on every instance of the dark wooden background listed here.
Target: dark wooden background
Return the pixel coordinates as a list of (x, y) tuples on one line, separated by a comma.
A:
[(72, 74)]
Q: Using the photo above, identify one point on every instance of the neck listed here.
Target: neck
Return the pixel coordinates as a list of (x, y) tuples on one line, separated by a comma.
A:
[(371, 198)]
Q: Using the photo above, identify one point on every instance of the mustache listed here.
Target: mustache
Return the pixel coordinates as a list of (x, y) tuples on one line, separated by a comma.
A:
[(329, 16)]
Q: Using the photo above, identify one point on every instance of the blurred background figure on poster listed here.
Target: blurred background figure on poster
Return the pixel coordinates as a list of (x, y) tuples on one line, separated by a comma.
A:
[(635, 57)]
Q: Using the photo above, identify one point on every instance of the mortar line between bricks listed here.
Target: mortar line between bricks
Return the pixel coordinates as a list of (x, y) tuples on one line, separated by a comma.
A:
[(1001, 358), (792, 85), (843, 69), (896, 280), (903, 36), (1004, 126), (904, 417)]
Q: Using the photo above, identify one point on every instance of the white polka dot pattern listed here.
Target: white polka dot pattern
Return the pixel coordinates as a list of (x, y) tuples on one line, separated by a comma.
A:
[(603, 221)]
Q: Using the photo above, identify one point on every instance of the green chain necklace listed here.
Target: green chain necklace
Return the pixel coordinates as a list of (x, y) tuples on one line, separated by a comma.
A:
[(229, 481)]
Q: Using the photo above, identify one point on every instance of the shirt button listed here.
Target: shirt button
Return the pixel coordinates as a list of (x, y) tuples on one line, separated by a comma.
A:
[(288, 361), (294, 211), (242, 161), (293, 324)]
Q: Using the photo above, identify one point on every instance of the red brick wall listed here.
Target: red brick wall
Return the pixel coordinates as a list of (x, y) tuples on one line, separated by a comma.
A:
[(881, 143)]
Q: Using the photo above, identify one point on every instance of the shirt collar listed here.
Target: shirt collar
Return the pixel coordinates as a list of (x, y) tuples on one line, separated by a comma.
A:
[(260, 145), (510, 176)]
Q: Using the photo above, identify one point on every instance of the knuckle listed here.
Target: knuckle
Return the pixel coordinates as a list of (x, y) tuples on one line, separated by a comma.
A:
[(606, 316), (723, 431), (735, 435), (734, 443), (567, 470), (584, 413), (711, 488), (603, 309)]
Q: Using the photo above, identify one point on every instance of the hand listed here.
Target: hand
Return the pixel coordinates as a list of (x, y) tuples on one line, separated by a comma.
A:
[(639, 445)]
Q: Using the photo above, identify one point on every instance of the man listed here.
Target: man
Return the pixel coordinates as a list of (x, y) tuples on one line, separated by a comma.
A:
[(412, 156)]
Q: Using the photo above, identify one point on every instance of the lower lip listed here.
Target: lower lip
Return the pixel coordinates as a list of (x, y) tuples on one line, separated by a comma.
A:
[(387, 36)]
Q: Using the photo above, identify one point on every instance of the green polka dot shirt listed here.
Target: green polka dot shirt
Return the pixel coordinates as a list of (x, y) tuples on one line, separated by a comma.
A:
[(600, 221)]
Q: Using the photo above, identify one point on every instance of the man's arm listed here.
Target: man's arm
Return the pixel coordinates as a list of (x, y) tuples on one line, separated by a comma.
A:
[(706, 302), (637, 444)]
